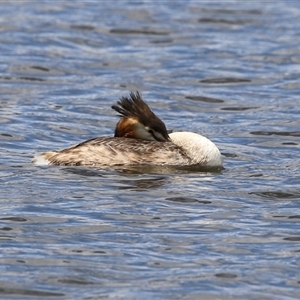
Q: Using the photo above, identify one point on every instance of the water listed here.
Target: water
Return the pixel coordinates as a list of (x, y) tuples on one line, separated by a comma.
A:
[(227, 70)]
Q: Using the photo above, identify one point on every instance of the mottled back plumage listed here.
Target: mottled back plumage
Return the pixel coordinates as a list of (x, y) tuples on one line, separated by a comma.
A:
[(111, 151)]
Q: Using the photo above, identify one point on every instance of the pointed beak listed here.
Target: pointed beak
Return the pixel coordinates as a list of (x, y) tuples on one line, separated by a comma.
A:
[(166, 139)]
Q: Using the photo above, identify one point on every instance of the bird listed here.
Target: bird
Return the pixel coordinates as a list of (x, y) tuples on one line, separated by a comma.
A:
[(140, 138)]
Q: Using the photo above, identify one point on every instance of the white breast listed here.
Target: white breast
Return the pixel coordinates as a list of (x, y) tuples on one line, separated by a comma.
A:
[(199, 148)]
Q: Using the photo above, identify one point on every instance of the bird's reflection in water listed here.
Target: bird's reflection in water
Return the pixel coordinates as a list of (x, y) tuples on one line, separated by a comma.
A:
[(141, 177)]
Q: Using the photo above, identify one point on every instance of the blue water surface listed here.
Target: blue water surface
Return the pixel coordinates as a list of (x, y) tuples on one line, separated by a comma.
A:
[(227, 70)]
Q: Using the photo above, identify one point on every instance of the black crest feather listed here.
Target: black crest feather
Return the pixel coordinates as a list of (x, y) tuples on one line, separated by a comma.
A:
[(135, 107)]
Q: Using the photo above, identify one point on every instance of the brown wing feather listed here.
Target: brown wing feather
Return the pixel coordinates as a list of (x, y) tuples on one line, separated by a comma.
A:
[(118, 151)]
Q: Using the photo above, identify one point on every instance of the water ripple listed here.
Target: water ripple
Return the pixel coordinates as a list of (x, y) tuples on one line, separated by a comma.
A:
[(228, 72)]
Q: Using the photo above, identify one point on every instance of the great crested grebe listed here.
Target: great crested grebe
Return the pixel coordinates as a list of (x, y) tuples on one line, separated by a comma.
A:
[(141, 138)]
